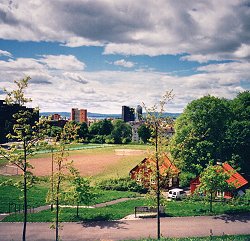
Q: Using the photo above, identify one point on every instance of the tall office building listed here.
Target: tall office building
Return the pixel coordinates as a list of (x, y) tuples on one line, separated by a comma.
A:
[(128, 114), (7, 120), (138, 112), (79, 115)]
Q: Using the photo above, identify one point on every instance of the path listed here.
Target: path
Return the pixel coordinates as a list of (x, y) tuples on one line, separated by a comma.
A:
[(123, 230), (99, 205)]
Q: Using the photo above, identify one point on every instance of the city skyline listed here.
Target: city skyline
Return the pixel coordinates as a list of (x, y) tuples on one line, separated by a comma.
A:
[(101, 55)]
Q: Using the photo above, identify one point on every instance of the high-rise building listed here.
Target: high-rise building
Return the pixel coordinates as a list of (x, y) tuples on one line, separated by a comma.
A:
[(79, 115), (128, 114), (7, 120), (138, 112)]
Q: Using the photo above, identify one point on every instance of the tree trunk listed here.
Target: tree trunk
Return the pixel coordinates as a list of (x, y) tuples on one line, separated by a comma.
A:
[(158, 185), (25, 192), (211, 201), (57, 209)]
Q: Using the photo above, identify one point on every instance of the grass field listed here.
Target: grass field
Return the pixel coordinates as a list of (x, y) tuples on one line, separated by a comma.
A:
[(214, 238)]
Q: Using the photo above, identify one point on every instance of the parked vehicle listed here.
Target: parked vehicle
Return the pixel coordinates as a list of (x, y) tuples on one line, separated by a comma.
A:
[(176, 193)]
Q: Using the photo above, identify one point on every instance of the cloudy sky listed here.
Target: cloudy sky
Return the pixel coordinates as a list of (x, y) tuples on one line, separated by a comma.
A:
[(102, 54)]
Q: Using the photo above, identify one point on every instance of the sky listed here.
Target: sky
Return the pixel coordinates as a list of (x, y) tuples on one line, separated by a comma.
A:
[(102, 54)]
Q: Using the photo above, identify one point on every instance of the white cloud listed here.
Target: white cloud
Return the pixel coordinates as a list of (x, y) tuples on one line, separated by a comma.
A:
[(204, 29), (5, 53), (124, 63), (62, 62)]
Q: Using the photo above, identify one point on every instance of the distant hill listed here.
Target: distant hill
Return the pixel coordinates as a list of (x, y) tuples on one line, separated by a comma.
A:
[(98, 115)]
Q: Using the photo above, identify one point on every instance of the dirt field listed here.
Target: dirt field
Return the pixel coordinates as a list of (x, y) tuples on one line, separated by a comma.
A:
[(88, 165)]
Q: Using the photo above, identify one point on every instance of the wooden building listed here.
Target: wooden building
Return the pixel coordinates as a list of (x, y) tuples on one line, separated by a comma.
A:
[(238, 181), (145, 173)]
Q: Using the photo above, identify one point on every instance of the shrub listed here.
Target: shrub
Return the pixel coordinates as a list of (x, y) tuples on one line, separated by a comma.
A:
[(121, 184)]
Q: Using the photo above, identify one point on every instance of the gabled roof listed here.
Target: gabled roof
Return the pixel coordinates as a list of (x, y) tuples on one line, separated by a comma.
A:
[(165, 166), (235, 178)]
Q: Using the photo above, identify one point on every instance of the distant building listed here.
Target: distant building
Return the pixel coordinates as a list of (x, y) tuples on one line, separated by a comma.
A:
[(55, 117), (138, 113), (7, 120), (135, 126), (79, 115), (128, 114)]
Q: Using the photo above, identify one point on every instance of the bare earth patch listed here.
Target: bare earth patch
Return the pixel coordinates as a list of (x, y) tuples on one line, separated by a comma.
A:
[(87, 165)]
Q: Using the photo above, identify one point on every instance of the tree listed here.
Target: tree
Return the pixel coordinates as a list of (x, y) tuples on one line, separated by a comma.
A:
[(214, 179), (157, 123), (199, 133), (80, 191), (121, 133), (83, 131), (237, 137), (144, 133), (102, 127), (61, 169), (29, 135)]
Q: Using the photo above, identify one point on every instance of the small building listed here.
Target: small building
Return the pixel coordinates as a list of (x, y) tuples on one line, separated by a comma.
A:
[(238, 181), (145, 173)]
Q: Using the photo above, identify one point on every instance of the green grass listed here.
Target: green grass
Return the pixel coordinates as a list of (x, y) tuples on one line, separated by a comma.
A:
[(120, 210), (105, 196), (11, 194), (37, 195), (114, 212), (199, 208), (214, 238)]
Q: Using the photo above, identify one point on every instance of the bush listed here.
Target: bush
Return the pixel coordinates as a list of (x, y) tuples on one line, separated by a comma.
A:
[(122, 184), (185, 178)]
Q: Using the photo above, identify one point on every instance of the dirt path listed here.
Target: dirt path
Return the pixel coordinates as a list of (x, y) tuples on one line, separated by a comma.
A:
[(124, 230)]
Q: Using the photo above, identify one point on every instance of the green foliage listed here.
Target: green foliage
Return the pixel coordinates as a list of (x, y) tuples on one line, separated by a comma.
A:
[(144, 133), (83, 131), (16, 96), (214, 179), (121, 184), (122, 132), (185, 178), (211, 128)]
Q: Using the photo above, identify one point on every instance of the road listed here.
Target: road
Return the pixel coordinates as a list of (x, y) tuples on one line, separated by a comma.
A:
[(133, 229)]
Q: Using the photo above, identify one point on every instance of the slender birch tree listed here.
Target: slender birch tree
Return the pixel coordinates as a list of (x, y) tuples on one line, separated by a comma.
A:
[(157, 122), (28, 134)]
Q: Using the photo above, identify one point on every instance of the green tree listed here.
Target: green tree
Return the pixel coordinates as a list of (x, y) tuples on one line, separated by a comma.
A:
[(80, 191), (83, 131), (157, 123), (214, 179), (144, 133), (29, 134), (61, 170), (200, 132), (122, 132), (237, 138)]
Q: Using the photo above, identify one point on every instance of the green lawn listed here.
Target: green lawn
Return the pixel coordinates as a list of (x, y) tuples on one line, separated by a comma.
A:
[(37, 195), (120, 210), (214, 238), (114, 212)]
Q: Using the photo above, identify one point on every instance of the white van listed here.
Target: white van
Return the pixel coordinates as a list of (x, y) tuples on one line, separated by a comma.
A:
[(176, 193)]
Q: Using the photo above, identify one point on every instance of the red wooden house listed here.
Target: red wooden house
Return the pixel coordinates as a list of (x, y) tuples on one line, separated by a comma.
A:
[(236, 179), (145, 174)]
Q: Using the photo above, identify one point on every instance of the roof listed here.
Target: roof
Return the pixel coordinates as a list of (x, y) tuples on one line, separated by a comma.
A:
[(165, 166), (236, 179)]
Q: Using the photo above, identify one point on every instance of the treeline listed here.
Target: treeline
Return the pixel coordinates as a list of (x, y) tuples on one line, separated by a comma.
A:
[(213, 129), (103, 131)]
